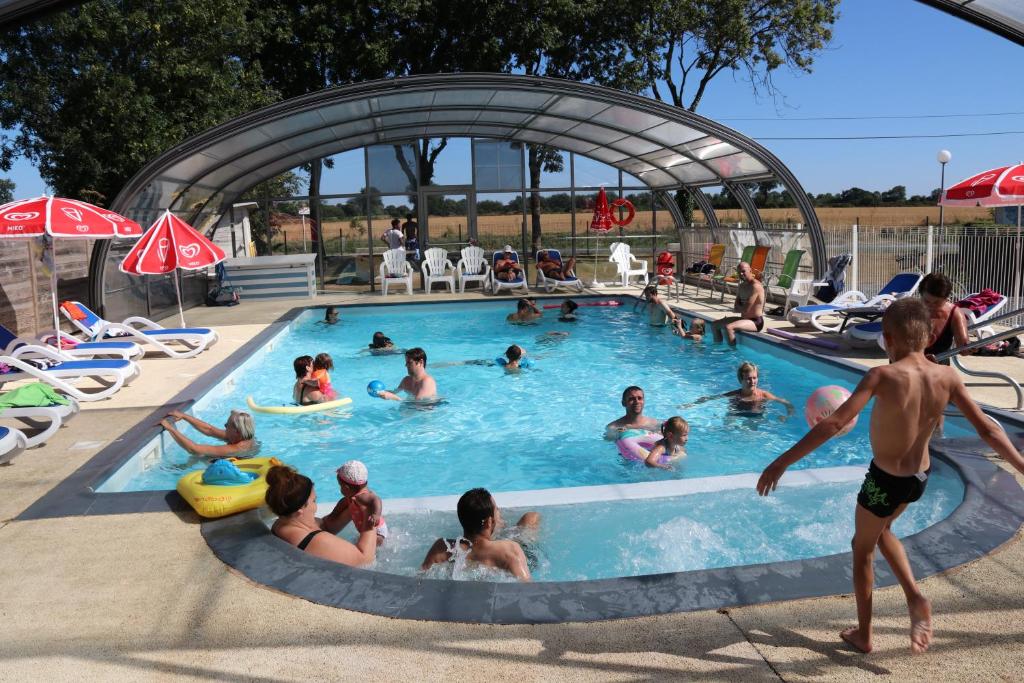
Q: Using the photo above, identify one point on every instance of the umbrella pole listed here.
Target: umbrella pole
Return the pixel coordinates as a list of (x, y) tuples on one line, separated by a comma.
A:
[(53, 287), (1017, 262), (177, 290)]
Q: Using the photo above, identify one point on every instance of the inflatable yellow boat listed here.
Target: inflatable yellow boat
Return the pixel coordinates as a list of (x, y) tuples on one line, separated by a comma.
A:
[(218, 501)]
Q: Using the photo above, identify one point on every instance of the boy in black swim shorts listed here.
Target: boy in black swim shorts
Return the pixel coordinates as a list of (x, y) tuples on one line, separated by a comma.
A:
[(910, 395)]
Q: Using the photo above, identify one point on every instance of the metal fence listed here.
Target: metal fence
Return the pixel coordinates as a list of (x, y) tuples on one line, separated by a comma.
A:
[(972, 257)]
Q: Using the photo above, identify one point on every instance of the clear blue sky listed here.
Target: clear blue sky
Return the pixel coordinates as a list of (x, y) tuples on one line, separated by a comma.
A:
[(887, 58)]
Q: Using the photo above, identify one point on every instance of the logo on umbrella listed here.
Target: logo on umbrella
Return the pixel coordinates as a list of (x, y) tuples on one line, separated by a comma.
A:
[(82, 228), (72, 213), (21, 216), (161, 248), (114, 217), (189, 250)]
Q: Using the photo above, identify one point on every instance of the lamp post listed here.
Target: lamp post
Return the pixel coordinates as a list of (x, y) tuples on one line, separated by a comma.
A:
[(943, 158)]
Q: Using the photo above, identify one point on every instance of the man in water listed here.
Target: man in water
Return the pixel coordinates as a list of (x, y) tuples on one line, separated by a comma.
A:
[(749, 304), (481, 520), (633, 402), (526, 311), (417, 383)]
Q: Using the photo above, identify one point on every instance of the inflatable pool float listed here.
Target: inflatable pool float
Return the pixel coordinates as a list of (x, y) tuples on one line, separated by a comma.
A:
[(214, 500), (636, 445), (293, 409), (610, 302)]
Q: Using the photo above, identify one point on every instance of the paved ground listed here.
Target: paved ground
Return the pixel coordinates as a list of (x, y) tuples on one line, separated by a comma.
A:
[(141, 596)]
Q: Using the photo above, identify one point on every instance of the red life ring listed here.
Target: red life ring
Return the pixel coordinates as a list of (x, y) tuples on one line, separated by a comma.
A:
[(629, 206)]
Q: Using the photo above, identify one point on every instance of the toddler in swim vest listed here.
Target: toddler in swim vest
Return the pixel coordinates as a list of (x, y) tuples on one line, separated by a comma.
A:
[(363, 505), (321, 364)]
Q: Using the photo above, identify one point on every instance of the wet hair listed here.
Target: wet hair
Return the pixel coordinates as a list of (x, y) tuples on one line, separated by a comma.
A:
[(242, 422), (628, 389), (649, 291), (323, 362), (287, 490), (745, 368), (475, 507), (908, 320), (697, 326), (523, 305), (571, 305), (936, 284), (675, 425), (331, 313), (417, 355), (380, 341), (514, 352), (300, 364)]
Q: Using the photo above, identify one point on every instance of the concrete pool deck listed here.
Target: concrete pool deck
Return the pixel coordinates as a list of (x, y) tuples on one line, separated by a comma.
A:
[(142, 595)]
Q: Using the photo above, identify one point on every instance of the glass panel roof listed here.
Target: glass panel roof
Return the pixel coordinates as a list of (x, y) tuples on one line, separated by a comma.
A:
[(1005, 17)]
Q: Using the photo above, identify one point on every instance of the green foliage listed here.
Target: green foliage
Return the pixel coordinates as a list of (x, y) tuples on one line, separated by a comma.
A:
[(102, 88), (6, 190)]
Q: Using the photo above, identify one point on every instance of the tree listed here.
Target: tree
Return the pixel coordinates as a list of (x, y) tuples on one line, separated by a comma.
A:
[(6, 190), (100, 89)]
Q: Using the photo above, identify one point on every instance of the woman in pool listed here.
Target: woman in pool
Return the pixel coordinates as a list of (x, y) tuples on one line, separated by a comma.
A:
[(748, 399), (238, 435), (949, 324), (292, 498), (306, 390)]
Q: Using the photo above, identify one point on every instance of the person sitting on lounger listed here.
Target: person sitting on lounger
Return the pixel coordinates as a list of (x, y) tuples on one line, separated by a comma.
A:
[(554, 269), (238, 435), (506, 268)]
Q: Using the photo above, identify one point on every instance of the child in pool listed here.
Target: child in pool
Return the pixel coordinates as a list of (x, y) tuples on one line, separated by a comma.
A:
[(516, 356), (696, 332), (382, 345), (330, 316), (358, 503), (567, 311), (321, 365), (676, 432), (748, 399)]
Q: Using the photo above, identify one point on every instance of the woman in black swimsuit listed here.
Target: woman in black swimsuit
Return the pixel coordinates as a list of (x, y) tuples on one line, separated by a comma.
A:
[(292, 498), (948, 321)]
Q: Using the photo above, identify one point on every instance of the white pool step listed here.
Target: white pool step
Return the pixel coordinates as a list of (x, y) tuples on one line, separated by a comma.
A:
[(652, 489)]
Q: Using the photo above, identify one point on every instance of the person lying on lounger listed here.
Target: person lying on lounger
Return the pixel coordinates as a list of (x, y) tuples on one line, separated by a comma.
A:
[(555, 269)]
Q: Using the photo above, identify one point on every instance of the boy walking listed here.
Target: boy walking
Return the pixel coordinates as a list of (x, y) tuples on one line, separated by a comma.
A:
[(910, 394)]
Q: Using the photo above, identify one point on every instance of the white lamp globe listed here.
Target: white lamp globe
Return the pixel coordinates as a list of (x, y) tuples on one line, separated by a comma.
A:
[(944, 156)]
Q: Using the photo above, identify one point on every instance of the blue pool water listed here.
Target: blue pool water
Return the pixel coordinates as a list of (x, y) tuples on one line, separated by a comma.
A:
[(539, 429)]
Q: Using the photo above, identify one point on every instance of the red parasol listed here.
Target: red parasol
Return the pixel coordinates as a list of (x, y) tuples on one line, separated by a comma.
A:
[(604, 219), (1002, 186), (169, 244), (50, 217)]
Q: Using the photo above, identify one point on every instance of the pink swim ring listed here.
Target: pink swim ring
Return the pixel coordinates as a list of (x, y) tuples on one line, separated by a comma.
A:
[(638, 446)]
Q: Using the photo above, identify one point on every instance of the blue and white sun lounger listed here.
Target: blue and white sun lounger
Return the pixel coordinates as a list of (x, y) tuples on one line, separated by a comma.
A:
[(549, 283), (147, 333), (829, 318), (870, 333), (54, 416), (13, 345), (12, 442), (497, 284), (61, 375)]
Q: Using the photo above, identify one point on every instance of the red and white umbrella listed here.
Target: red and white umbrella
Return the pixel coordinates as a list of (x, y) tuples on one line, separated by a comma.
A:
[(64, 218), (1003, 186), (169, 244)]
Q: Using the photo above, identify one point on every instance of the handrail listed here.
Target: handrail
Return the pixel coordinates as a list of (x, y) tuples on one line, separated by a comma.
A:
[(954, 354)]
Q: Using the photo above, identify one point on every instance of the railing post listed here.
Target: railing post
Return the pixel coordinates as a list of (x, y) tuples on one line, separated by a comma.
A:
[(928, 250), (854, 285)]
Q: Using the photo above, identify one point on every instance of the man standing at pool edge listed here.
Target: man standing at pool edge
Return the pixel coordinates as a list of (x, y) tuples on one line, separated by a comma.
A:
[(910, 395), (417, 383)]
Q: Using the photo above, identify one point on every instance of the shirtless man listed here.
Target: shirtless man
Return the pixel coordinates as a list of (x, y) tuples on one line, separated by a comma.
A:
[(553, 269), (506, 268), (417, 384), (481, 519), (660, 312), (526, 312), (910, 395), (749, 304), (633, 402)]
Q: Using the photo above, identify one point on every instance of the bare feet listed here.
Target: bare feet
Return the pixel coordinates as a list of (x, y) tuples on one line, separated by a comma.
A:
[(856, 640), (920, 624)]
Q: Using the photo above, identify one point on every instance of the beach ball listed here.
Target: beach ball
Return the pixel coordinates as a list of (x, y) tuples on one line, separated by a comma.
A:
[(823, 402), (375, 387)]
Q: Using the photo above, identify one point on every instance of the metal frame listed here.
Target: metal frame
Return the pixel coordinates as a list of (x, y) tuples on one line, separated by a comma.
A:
[(312, 116), (966, 10)]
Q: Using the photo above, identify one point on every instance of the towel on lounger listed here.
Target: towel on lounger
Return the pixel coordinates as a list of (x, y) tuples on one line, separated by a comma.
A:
[(980, 302), (35, 395)]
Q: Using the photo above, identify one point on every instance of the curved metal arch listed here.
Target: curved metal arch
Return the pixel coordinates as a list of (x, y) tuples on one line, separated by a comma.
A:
[(595, 124)]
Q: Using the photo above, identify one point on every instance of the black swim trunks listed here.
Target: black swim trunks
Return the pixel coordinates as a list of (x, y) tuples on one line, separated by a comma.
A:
[(759, 323), (882, 492)]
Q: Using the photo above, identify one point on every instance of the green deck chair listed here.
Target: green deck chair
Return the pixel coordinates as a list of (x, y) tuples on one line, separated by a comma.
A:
[(786, 279)]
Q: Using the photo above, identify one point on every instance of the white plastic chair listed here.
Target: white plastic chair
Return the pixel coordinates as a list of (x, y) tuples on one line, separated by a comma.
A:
[(624, 260), (437, 268), (473, 267), (394, 269)]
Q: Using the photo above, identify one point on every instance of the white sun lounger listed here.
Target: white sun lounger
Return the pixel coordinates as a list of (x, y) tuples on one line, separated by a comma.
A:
[(550, 284), (829, 317), (870, 333), (13, 345), (54, 416), (12, 442), (61, 375), (195, 340)]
